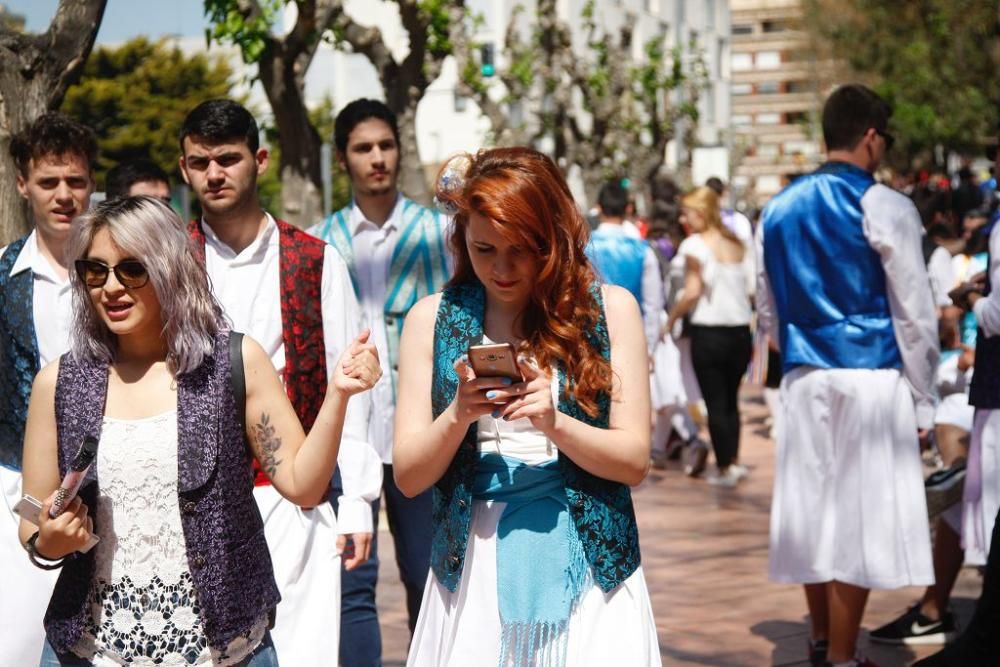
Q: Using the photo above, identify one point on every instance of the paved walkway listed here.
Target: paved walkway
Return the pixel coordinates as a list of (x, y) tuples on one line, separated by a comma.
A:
[(704, 554)]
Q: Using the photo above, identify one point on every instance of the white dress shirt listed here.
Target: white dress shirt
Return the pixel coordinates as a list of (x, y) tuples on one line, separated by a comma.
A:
[(892, 226), (373, 247), (248, 287), (51, 301), (942, 276)]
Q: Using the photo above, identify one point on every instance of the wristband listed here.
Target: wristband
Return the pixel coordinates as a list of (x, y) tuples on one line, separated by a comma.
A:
[(37, 559)]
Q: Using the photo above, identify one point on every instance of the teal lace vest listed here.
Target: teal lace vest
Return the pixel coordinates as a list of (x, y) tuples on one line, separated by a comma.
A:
[(601, 509)]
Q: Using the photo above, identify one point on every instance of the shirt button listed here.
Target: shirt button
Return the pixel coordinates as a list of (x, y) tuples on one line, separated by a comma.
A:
[(189, 507), (462, 503), (199, 562), (453, 562)]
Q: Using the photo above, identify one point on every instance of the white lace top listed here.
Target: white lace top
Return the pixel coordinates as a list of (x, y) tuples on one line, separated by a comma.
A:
[(144, 607)]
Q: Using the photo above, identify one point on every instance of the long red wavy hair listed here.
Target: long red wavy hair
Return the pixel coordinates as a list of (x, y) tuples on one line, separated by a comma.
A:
[(525, 195)]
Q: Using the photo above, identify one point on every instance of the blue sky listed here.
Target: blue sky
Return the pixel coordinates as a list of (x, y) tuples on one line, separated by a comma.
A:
[(124, 19)]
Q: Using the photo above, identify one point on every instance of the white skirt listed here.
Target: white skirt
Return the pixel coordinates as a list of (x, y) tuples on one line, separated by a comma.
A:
[(303, 546), (849, 499), (463, 628), (978, 515), (26, 589), (954, 410)]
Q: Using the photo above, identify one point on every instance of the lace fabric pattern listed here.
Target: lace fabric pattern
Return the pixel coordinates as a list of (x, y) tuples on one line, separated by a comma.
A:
[(144, 606)]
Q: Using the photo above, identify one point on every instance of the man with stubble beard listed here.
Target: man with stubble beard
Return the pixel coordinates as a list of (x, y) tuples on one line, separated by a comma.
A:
[(395, 251), (292, 294)]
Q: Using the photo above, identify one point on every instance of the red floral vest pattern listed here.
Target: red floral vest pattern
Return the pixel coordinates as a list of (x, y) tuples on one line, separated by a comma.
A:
[(301, 270)]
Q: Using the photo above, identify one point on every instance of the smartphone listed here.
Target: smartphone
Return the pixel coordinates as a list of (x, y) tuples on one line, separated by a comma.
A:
[(495, 360), (28, 508)]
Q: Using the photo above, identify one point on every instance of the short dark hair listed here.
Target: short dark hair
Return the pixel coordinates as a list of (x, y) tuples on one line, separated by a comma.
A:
[(124, 175), (221, 120), (613, 199), (359, 111), (716, 184), (53, 133), (849, 112)]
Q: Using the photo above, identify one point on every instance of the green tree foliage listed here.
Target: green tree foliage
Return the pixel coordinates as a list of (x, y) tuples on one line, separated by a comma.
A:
[(284, 56), (136, 96), (936, 61)]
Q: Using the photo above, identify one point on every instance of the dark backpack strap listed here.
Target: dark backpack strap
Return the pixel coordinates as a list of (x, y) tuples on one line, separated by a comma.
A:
[(238, 378)]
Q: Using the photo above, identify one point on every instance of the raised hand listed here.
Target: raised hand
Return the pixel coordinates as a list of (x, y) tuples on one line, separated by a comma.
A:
[(358, 368)]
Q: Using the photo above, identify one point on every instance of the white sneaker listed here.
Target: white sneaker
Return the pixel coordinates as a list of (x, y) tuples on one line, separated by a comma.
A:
[(727, 479), (741, 471)]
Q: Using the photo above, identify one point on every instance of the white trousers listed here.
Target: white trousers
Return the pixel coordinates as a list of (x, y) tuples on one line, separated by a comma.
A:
[(303, 546), (979, 513), (849, 499), (26, 589)]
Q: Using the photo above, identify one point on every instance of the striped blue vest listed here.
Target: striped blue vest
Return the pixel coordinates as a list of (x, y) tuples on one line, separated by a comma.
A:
[(418, 266), (19, 362)]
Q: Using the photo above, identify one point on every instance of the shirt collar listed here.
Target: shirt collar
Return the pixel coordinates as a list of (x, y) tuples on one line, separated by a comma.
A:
[(612, 227), (357, 217), (31, 258), (256, 249)]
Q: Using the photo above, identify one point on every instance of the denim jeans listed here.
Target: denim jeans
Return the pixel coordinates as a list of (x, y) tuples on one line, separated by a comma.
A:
[(410, 526), (262, 656)]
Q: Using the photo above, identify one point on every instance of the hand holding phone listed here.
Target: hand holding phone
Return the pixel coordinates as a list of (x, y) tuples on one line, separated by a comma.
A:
[(73, 522), (483, 372), (64, 500), (960, 295)]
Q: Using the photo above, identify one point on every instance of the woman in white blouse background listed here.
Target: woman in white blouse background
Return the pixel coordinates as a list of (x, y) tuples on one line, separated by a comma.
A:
[(718, 287)]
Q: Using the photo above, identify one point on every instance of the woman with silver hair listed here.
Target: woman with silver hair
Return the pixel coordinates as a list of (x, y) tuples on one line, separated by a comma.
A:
[(181, 573)]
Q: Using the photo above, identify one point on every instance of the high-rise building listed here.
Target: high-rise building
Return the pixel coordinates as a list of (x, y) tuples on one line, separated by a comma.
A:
[(777, 88)]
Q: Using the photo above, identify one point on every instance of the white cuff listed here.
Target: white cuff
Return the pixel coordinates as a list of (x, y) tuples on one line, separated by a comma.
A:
[(354, 516)]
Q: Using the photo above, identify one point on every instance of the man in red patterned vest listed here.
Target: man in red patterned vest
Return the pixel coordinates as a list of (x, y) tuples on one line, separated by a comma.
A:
[(292, 293)]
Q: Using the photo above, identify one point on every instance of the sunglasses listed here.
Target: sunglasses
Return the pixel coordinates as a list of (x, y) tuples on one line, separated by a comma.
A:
[(888, 138), (131, 273)]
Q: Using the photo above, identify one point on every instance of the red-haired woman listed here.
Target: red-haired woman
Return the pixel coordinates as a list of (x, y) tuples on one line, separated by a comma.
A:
[(535, 551)]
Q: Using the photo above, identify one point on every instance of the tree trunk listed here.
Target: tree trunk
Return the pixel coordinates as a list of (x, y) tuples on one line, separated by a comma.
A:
[(301, 200), (412, 181), (35, 71), (301, 175)]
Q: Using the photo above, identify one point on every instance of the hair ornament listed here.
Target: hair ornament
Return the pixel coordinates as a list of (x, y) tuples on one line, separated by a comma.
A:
[(451, 183)]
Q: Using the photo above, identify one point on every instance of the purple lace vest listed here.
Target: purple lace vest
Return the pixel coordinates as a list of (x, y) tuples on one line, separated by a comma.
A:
[(226, 550)]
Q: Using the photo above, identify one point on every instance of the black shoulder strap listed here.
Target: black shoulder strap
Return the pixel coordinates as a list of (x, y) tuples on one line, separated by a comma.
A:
[(238, 378)]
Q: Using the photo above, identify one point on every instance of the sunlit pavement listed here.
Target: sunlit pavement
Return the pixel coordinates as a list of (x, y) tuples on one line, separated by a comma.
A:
[(704, 552)]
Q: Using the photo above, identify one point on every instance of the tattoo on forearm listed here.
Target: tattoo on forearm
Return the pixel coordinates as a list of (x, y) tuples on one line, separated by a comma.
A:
[(268, 444)]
